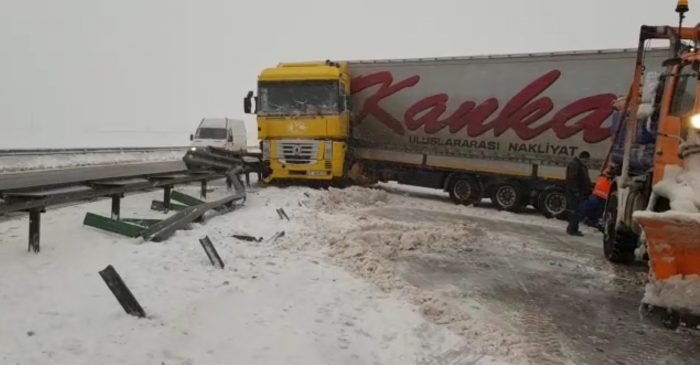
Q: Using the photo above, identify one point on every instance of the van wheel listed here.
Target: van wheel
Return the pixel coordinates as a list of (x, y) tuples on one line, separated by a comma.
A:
[(465, 190), (508, 196), (552, 202)]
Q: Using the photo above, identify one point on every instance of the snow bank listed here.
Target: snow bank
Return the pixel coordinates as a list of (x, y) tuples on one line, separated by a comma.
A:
[(678, 292), (681, 186), (353, 231), (352, 197), (10, 164)]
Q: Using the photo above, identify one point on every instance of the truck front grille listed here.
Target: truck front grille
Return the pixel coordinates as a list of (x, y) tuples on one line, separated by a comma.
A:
[(302, 152)]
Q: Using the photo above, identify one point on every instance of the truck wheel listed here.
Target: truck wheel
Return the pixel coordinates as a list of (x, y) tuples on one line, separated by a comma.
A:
[(465, 190), (616, 246), (552, 202), (508, 196)]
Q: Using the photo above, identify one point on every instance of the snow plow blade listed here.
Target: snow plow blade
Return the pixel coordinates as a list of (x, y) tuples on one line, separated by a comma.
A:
[(672, 295), (673, 242)]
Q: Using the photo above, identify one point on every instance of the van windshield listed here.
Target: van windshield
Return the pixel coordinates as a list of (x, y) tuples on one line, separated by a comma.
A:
[(299, 97), (211, 133)]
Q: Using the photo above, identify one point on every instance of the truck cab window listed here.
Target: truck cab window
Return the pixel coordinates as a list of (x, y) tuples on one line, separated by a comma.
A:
[(684, 95), (298, 97)]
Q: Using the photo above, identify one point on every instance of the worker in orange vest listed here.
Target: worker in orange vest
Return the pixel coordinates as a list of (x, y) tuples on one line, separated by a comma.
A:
[(595, 204)]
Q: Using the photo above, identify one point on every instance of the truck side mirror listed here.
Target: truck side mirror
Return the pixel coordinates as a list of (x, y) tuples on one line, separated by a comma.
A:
[(230, 138), (247, 103), (191, 137)]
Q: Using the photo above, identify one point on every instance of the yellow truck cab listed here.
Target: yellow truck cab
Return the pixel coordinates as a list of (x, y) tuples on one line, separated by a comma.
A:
[(303, 120)]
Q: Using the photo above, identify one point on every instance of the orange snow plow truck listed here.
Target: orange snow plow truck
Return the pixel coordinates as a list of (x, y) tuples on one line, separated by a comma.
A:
[(654, 204)]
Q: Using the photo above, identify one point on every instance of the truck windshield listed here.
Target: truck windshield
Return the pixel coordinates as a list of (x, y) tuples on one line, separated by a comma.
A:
[(684, 95), (211, 133), (298, 97)]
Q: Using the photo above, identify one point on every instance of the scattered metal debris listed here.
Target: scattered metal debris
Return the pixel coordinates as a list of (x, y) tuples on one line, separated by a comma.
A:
[(123, 227), (209, 248), (282, 213), (165, 228), (245, 237), (276, 236), (121, 292)]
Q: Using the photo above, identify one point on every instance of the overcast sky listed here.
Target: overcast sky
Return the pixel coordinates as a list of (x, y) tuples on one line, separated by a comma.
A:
[(77, 73)]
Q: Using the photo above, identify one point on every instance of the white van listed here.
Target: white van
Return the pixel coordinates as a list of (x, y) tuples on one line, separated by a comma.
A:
[(229, 134)]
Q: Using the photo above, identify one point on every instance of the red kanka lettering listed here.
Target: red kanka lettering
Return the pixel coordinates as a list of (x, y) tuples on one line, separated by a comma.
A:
[(598, 108), (520, 113), (371, 105)]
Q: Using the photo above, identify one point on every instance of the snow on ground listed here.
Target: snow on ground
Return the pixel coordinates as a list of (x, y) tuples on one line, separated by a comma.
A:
[(275, 302), (385, 275), (515, 287), (17, 163), (358, 228)]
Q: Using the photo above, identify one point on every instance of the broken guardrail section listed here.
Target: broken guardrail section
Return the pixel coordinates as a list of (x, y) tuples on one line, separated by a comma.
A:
[(191, 210)]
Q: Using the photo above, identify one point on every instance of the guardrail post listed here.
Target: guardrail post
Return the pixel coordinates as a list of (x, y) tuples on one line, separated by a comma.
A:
[(166, 197), (34, 229), (204, 189), (116, 204)]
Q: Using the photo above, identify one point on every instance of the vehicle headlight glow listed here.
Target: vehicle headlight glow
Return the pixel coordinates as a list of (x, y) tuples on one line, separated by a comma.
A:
[(695, 121)]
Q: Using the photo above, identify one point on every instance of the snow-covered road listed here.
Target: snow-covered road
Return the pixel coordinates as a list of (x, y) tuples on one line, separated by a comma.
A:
[(393, 275)]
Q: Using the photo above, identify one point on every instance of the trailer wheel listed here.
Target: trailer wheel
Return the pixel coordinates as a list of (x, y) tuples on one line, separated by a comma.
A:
[(616, 246), (509, 196), (552, 202), (465, 190)]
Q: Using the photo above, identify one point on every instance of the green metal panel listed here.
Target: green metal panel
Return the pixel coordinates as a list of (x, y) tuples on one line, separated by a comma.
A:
[(158, 205), (185, 199), (111, 225), (143, 222)]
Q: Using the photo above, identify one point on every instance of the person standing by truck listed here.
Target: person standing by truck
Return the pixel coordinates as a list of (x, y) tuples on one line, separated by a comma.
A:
[(578, 187), (595, 204)]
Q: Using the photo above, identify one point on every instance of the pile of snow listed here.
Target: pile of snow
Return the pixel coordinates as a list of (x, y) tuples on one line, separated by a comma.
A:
[(19, 163), (681, 186), (351, 230), (678, 292), (352, 197)]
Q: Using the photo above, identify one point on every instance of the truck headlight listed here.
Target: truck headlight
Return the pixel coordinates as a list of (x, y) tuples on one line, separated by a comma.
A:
[(695, 121), (328, 151), (265, 150)]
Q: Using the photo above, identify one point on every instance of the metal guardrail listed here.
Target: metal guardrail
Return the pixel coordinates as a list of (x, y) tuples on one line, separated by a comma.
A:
[(75, 151)]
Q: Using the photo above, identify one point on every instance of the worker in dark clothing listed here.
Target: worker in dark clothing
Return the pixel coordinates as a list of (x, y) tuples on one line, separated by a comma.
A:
[(578, 187)]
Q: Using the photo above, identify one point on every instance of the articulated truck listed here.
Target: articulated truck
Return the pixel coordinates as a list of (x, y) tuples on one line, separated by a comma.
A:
[(499, 127)]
